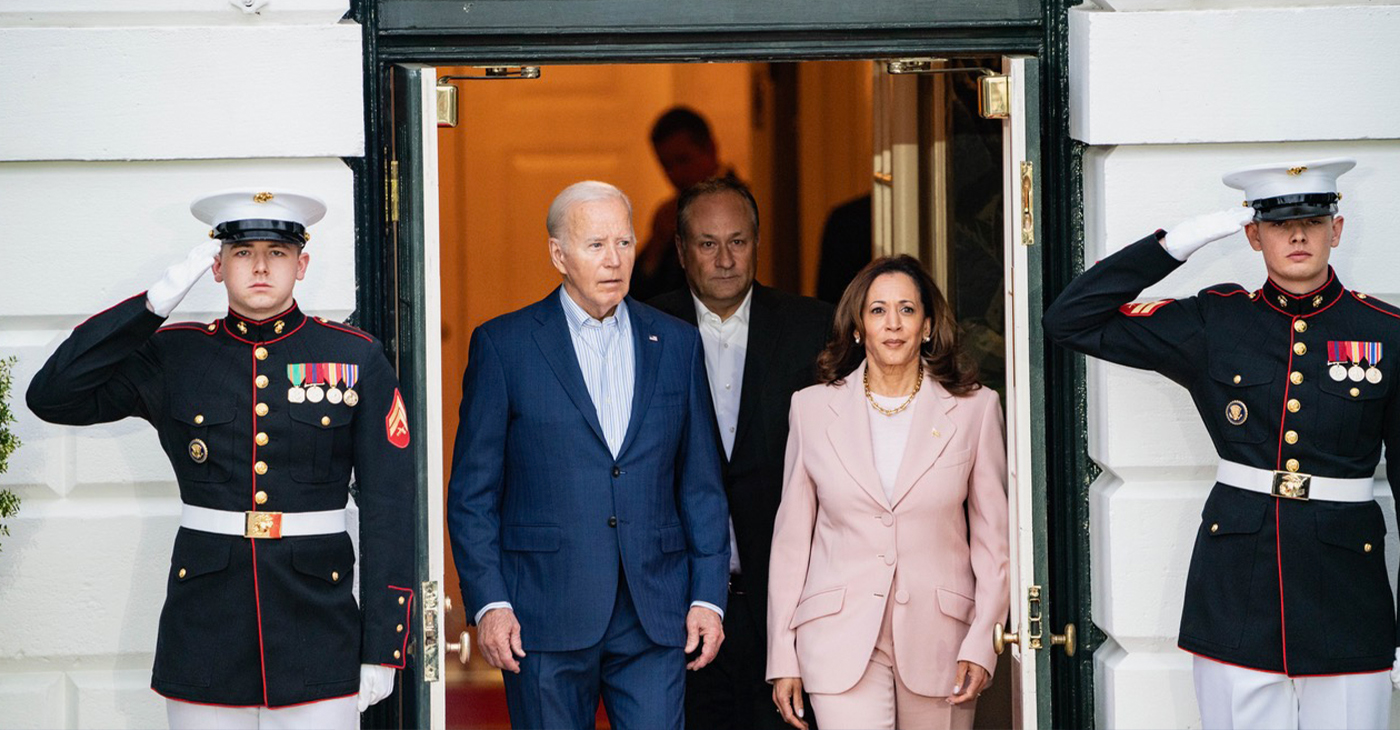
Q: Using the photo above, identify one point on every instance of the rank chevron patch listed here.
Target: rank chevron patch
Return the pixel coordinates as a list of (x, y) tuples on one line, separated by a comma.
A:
[(1144, 309), (396, 423)]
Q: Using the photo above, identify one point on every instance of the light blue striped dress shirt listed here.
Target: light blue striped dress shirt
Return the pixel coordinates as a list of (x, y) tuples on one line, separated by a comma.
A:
[(604, 350)]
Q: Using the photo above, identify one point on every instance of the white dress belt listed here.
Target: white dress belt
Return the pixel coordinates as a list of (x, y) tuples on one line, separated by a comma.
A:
[(1293, 485), (262, 524)]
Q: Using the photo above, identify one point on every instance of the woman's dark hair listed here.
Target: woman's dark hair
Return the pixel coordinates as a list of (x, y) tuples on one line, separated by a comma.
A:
[(943, 357)]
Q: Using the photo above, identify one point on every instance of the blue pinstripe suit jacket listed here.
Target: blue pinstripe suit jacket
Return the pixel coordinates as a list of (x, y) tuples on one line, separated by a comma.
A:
[(541, 514)]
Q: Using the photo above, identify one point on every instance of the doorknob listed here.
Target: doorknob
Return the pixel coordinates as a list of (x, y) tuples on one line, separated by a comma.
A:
[(463, 646), (1066, 640), (1001, 638)]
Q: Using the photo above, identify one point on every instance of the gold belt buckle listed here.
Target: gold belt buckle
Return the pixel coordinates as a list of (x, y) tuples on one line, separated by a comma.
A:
[(263, 525), (1291, 485)]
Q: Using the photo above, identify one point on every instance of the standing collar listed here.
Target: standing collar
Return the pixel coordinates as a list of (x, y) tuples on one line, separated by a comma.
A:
[(265, 330), (1302, 305)]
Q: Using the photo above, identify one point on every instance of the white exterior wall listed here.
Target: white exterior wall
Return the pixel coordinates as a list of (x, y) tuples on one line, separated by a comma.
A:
[(1168, 101), (112, 121)]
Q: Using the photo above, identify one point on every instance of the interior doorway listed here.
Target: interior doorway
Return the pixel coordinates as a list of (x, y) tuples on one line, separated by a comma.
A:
[(799, 132)]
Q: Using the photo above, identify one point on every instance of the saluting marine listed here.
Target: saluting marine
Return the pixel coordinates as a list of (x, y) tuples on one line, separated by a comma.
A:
[(265, 415), (1288, 606)]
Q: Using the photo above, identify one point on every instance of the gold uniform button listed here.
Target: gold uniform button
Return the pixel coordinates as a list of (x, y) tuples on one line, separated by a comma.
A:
[(1355, 392), (1366, 547), (260, 439), (1215, 528), (260, 409), (335, 575), (1291, 437), (1294, 405), (399, 629), (260, 467), (260, 353), (1237, 380), (397, 654), (1295, 377), (1300, 326), (182, 570), (400, 600), (325, 420), (260, 497), (198, 419), (1359, 295), (1300, 348), (261, 381), (1291, 465)]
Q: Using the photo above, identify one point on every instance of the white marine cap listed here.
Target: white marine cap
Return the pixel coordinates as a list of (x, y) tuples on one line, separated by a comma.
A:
[(1286, 190), (259, 215)]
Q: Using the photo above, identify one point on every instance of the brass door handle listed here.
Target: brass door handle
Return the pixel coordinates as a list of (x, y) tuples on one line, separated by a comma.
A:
[(1066, 640), (1001, 638), (463, 647)]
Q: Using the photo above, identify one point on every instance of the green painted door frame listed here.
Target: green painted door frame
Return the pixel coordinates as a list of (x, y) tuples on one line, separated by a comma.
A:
[(459, 32)]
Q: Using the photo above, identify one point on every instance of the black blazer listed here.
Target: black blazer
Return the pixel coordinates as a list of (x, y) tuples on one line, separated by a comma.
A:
[(786, 333)]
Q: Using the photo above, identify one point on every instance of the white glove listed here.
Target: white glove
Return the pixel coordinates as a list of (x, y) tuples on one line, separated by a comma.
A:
[(164, 295), (1395, 670), (1193, 233), (376, 682)]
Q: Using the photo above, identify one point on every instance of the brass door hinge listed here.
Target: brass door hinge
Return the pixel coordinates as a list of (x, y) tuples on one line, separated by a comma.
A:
[(431, 670), (1027, 203), (393, 187), (994, 96)]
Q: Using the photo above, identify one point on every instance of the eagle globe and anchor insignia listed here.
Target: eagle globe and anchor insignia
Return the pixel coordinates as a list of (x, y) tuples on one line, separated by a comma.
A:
[(1236, 413)]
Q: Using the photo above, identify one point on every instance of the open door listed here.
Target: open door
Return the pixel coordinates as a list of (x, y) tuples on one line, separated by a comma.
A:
[(412, 179), (915, 179), (1027, 637)]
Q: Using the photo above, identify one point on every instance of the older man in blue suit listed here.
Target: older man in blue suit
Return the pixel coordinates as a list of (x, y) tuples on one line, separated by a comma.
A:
[(586, 510)]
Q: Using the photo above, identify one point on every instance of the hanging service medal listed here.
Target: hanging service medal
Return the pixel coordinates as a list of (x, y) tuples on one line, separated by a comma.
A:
[(352, 376), (1373, 356), (333, 379), (296, 374), (314, 393), (1336, 370), (1355, 372)]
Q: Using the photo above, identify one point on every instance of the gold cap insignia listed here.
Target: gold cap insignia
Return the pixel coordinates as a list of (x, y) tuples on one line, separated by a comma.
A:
[(262, 197), (1295, 171)]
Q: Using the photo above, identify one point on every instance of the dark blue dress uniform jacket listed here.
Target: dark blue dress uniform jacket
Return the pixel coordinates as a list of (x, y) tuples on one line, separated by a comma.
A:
[(1275, 584), (258, 621)]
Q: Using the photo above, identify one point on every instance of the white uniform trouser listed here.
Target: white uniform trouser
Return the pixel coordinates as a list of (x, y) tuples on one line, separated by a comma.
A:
[(341, 713), (1235, 698)]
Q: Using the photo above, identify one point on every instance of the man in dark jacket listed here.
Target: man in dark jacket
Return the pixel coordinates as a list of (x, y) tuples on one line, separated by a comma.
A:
[(760, 347)]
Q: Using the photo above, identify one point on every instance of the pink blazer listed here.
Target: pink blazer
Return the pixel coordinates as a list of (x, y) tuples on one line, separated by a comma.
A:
[(841, 550)]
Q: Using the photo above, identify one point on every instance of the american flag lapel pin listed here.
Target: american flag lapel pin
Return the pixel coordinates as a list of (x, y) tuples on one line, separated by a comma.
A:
[(652, 338)]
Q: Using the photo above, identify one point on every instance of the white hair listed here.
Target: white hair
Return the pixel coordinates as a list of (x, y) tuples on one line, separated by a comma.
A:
[(586, 191)]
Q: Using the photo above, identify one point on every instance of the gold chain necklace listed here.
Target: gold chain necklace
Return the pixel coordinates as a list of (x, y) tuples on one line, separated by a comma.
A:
[(918, 383)]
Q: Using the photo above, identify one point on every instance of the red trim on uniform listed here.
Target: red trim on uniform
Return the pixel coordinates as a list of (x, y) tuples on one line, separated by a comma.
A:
[(1324, 309), (242, 707), (283, 313), (1278, 559), (346, 330), (1372, 306), (1287, 386), (257, 596), (408, 624), (1226, 294), (202, 328), (1229, 664), (114, 306), (1331, 276)]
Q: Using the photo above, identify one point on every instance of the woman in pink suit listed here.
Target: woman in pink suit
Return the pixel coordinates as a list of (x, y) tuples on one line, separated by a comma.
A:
[(889, 563)]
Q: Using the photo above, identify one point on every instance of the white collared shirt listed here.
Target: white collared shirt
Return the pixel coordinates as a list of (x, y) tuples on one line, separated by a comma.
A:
[(604, 352), (726, 343)]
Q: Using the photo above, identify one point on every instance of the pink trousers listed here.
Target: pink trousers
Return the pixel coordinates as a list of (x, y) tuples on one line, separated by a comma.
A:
[(881, 701)]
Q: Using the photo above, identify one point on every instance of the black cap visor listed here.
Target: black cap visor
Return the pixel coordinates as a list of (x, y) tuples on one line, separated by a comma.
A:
[(261, 230), (1291, 207)]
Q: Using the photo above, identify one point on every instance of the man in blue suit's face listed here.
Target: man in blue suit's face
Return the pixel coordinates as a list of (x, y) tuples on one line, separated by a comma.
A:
[(595, 252)]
